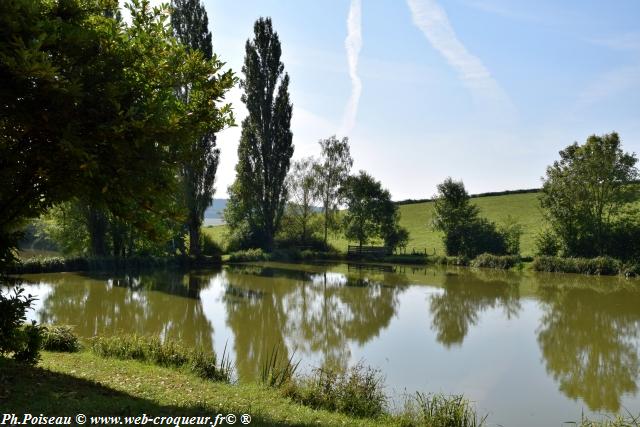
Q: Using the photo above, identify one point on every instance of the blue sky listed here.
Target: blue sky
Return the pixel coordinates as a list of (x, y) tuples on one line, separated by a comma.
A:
[(486, 91)]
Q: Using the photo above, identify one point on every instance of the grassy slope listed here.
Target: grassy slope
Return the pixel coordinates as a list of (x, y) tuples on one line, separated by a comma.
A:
[(66, 384), (417, 217)]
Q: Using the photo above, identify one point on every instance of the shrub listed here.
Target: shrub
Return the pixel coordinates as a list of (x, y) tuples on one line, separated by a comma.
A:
[(168, 353), (503, 262), (28, 345), (16, 338), (458, 261), (249, 255), (440, 410), (59, 338), (547, 244), (594, 266), (357, 392), (209, 246)]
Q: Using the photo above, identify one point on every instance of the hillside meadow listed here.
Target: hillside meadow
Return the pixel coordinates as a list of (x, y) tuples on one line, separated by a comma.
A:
[(524, 208)]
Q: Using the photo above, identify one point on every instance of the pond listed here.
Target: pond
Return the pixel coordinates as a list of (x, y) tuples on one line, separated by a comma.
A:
[(529, 349)]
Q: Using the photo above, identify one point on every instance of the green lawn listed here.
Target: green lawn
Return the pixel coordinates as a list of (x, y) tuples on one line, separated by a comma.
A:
[(65, 384), (417, 218)]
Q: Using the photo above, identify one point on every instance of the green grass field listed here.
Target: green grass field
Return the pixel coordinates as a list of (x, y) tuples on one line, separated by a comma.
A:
[(417, 219)]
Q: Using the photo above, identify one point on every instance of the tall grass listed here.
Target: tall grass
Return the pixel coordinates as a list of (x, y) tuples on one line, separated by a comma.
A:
[(439, 410), (249, 255), (593, 266), (164, 353), (358, 392), (59, 338), (628, 420), (278, 371), (58, 264), (503, 262)]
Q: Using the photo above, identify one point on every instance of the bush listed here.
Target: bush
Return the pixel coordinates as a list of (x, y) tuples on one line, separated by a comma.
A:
[(59, 338), (547, 244), (503, 262), (357, 392), (458, 261), (249, 255), (594, 266), (209, 246), (440, 410), (22, 341), (28, 345), (168, 354)]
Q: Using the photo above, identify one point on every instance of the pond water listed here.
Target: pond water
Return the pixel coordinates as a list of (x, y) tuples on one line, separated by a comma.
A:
[(529, 349)]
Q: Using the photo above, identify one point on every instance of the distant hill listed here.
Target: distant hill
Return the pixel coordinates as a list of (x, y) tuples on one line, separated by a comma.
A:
[(216, 209)]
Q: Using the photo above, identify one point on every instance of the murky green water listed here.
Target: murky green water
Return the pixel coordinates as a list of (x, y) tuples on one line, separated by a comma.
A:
[(529, 349)]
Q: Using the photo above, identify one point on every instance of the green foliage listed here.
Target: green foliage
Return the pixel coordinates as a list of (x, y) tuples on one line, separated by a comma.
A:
[(457, 261), (258, 196), (84, 90), (503, 262), (436, 410), (584, 192), (15, 337), (57, 264), (547, 243), (331, 173), (370, 211), (618, 420), (299, 222), (249, 255), (190, 25), (464, 231), (358, 392), (59, 338), (512, 231), (29, 341), (165, 353), (596, 266), (396, 237), (278, 371), (209, 246)]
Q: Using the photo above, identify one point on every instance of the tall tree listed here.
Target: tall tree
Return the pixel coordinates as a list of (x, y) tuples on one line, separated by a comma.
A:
[(332, 171), (258, 196), (81, 89), (585, 190), (198, 172)]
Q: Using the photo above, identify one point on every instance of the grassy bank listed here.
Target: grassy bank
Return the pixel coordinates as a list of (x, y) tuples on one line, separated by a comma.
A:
[(59, 264), (70, 383)]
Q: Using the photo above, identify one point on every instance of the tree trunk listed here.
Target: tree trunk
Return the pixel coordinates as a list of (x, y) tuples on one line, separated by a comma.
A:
[(97, 227), (194, 238)]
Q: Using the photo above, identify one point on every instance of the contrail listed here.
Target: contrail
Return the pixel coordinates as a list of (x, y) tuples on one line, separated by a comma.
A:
[(432, 20), (353, 44)]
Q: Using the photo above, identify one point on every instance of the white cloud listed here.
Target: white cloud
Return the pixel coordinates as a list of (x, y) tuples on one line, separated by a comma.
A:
[(353, 45), (433, 21)]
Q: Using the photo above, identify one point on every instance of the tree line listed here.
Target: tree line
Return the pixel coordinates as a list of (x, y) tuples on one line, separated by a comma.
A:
[(108, 140), (588, 200)]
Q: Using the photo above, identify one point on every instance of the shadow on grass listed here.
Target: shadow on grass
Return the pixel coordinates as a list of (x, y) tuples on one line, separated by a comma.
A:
[(27, 389)]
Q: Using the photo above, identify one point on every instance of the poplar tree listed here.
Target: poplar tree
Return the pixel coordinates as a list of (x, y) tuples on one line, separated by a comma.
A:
[(258, 196), (190, 26)]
